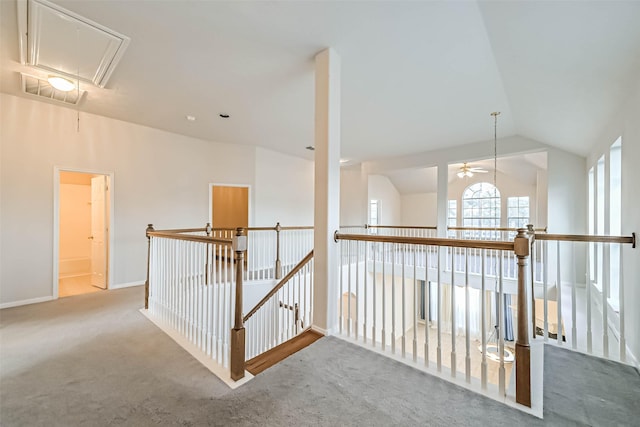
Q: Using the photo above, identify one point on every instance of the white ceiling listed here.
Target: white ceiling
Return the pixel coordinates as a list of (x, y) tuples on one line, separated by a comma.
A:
[(416, 76)]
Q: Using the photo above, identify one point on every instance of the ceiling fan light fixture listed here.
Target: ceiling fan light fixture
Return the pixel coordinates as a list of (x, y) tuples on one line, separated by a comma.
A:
[(61, 84), (460, 174)]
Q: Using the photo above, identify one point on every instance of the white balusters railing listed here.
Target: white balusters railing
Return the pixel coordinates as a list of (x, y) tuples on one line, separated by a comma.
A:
[(575, 307), (295, 244), (272, 251), (497, 234), (283, 313), (397, 295), (191, 285)]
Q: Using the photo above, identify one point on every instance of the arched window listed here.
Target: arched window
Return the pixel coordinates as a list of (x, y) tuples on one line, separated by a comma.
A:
[(481, 209)]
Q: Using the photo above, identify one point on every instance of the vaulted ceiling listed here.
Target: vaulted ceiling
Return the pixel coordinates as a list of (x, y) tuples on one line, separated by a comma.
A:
[(416, 76)]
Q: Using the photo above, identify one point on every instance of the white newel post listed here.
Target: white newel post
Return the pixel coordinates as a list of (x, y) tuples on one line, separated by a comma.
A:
[(327, 190)]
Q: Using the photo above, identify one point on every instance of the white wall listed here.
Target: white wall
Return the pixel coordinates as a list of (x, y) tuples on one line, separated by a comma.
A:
[(542, 186), (419, 209), (283, 190), (159, 178), (567, 193), (353, 196), (566, 206), (625, 123), (381, 188)]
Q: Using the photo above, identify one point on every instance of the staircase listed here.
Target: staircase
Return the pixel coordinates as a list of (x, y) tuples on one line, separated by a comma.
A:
[(282, 351)]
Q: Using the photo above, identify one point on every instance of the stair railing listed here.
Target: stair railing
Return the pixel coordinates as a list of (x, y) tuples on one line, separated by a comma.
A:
[(284, 312), (194, 288), (271, 251), (383, 297), (582, 278)]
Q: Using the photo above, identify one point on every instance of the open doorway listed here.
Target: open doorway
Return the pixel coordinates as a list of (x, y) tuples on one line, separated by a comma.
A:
[(82, 256)]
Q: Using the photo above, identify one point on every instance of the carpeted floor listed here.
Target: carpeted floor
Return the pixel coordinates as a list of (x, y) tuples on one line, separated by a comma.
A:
[(94, 360)]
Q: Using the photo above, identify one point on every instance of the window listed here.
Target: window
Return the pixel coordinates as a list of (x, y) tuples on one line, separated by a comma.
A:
[(615, 219), (374, 215), (481, 209), (599, 228), (517, 213), (592, 223), (605, 218), (452, 217), (615, 187)]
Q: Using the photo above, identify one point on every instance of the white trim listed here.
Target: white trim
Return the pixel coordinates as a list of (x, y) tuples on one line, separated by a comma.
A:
[(320, 330), (26, 302), (56, 223), (126, 285), (21, 6), (215, 368), (631, 359), (249, 195)]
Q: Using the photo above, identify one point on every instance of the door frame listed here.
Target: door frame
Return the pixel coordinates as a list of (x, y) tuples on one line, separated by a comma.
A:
[(56, 224), (249, 204)]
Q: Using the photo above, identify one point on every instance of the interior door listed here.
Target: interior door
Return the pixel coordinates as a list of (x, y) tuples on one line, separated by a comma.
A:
[(229, 210), (230, 207), (98, 231)]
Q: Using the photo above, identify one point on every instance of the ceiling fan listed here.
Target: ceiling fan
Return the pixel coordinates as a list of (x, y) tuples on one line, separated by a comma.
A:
[(465, 170)]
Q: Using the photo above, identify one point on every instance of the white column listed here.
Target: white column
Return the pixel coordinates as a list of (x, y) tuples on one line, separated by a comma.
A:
[(443, 197), (327, 190)]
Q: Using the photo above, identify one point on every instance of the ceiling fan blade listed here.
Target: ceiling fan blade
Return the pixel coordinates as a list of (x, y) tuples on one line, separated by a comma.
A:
[(476, 170)]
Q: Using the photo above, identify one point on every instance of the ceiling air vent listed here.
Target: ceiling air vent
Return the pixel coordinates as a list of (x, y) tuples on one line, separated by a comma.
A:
[(42, 89)]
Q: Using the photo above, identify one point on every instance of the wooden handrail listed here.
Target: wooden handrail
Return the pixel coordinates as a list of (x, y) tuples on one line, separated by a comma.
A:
[(404, 227), (429, 241), (280, 284), (190, 238), (233, 230), (301, 227), (543, 230), (588, 238), (183, 230)]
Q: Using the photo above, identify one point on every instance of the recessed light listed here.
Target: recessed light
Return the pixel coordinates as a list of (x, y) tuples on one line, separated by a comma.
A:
[(310, 148), (191, 118), (61, 83), (224, 116)]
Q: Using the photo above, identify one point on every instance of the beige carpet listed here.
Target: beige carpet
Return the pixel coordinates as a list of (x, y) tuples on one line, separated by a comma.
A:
[(94, 360)]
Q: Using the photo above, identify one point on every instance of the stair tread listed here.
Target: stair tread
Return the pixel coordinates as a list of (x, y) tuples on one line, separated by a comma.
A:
[(282, 351)]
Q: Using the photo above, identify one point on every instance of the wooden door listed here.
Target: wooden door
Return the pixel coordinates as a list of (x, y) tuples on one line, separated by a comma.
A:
[(230, 207)]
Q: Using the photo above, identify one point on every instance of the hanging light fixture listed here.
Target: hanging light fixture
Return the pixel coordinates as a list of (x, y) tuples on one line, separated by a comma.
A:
[(61, 84), (493, 343)]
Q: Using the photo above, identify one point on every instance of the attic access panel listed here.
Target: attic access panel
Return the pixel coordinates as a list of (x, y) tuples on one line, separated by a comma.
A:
[(65, 43)]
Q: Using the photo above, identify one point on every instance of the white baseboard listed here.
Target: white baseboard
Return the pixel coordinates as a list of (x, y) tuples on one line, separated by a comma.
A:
[(319, 330), (197, 353), (26, 302), (632, 360), (127, 285)]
